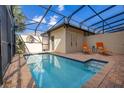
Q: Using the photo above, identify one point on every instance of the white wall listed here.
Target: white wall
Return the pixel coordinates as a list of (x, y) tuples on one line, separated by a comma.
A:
[(112, 41), (64, 36), (35, 47), (59, 40), (74, 40)]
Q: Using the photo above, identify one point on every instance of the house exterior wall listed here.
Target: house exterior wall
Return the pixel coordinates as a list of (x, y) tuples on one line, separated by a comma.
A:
[(67, 39), (112, 41), (74, 39), (59, 40)]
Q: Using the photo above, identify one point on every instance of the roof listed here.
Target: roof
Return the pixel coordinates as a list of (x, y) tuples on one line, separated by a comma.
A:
[(67, 25)]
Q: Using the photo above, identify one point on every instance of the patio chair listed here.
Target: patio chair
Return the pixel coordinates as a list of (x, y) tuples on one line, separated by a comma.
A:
[(100, 48), (86, 48)]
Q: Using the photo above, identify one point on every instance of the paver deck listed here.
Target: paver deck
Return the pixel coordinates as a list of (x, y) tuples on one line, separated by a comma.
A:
[(18, 74)]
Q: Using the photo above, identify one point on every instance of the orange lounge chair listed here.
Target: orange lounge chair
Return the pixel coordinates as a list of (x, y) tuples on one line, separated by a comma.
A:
[(86, 48), (101, 49)]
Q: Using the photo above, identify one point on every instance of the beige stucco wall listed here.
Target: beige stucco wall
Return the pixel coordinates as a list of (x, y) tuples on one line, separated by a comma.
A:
[(59, 40), (74, 39), (64, 36), (113, 41)]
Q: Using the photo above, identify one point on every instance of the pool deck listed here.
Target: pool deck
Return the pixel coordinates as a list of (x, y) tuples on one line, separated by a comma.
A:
[(111, 76)]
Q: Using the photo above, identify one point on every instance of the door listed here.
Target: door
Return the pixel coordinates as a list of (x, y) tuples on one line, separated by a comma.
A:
[(52, 41)]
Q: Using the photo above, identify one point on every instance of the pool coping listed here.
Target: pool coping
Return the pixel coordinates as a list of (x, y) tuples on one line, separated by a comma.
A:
[(81, 61), (97, 79)]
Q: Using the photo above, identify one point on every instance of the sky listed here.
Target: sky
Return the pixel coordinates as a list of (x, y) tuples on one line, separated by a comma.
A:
[(35, 12)]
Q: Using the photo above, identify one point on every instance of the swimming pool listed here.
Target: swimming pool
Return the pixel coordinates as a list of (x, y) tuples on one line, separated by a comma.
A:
[(52, 71)]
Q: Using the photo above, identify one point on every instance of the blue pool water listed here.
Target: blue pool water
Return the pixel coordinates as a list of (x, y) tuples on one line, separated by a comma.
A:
[(52, 71)]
